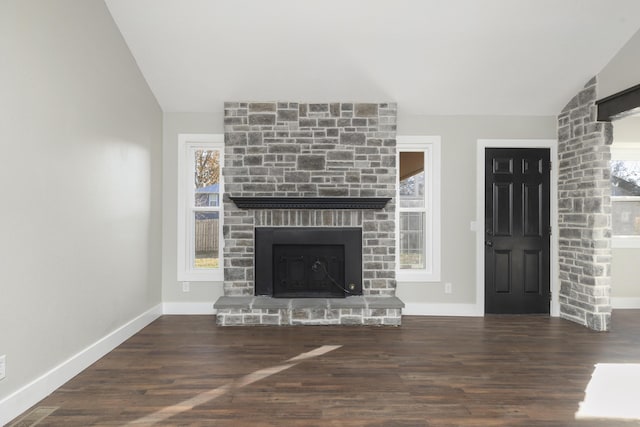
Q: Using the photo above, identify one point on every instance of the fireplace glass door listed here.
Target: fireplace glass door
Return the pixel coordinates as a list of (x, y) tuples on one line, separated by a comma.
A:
[(308, 262)]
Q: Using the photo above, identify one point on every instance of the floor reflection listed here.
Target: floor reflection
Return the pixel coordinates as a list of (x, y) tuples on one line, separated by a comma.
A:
[(613, 392)]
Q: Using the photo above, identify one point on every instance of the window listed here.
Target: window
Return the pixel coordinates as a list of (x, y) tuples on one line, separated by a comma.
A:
[(418, 208), (200, 188), (625, 194)]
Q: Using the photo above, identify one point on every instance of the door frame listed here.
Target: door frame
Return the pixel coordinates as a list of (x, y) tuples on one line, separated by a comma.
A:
[(479, 225)]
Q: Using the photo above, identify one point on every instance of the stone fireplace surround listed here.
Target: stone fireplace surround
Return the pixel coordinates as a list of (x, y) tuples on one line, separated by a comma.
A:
[(310, 150)]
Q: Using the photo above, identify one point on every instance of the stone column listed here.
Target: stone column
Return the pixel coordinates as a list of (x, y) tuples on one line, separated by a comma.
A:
[(584, 212)]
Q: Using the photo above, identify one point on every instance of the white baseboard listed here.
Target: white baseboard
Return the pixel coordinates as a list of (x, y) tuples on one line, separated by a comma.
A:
[(426, 309), (625, 302), (27, 396), (188, 308)]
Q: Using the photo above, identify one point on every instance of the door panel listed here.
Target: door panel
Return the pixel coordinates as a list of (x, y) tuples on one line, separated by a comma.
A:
[(531, 274), (532, 201), (503, 203), (517, 241), (502, 282)]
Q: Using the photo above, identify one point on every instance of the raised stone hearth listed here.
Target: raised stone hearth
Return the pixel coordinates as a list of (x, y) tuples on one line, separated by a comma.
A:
[(358, 310), (290, 164)]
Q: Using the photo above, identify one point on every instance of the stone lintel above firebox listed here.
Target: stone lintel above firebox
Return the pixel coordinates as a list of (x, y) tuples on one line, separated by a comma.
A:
[(353, 310)]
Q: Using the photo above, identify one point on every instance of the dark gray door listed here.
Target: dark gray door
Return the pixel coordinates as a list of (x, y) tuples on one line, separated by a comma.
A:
[(517, 227)]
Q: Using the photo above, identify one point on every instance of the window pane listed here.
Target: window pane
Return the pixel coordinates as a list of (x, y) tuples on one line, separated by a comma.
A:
[(412, 240), (412, 180), (625, 178), (207, 177), (626, 217), (206, 240)]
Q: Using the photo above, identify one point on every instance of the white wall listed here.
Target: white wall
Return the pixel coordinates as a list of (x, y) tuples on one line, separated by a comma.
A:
[(627, 129), (460, 135), (625, 281), (202, 295), (459, 138), (80, 177), (623, 71)]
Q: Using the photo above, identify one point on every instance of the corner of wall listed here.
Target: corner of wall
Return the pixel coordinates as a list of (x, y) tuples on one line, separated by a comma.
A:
[(28, 395)]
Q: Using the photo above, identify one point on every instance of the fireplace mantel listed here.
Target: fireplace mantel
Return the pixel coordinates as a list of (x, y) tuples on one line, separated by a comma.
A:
[(310, 202)]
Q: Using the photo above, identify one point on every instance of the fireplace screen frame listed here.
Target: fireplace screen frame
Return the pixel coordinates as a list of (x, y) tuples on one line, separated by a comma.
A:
[(267, 237)]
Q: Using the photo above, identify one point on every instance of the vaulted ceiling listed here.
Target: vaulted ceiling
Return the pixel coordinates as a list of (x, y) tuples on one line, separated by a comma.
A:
[(433, 57)]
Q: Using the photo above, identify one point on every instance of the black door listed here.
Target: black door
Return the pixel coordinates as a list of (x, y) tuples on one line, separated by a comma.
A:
[(517, 228)]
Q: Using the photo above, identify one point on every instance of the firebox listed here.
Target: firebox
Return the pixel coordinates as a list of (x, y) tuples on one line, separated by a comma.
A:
[(308, 262)]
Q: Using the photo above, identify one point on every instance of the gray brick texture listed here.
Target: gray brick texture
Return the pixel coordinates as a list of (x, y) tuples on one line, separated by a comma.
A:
[(584, 212), (309, 150)]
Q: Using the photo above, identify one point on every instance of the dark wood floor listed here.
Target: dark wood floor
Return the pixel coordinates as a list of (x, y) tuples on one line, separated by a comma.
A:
[(432, 371)]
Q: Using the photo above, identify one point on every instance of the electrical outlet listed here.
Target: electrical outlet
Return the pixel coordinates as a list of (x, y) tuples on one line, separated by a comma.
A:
[(185, 286), (3, 366), (448, 288)]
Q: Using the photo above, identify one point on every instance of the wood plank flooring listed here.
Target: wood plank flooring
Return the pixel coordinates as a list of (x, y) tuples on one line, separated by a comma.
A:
[(432, 371)]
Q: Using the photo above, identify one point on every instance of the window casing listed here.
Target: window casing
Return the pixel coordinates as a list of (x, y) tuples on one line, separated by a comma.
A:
[(625, 195), (200, 208), (418, 209)]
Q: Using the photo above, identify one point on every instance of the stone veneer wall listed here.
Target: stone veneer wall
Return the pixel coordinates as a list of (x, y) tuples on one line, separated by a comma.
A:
[(310, 150), (584, 211)]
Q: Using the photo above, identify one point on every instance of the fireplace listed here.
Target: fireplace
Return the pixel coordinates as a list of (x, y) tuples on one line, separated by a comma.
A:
[(309, 214), (308, 262)]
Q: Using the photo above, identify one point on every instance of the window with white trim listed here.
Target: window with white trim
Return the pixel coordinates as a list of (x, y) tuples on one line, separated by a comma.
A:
[(200, 189), (418, 208), (625, 194)]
